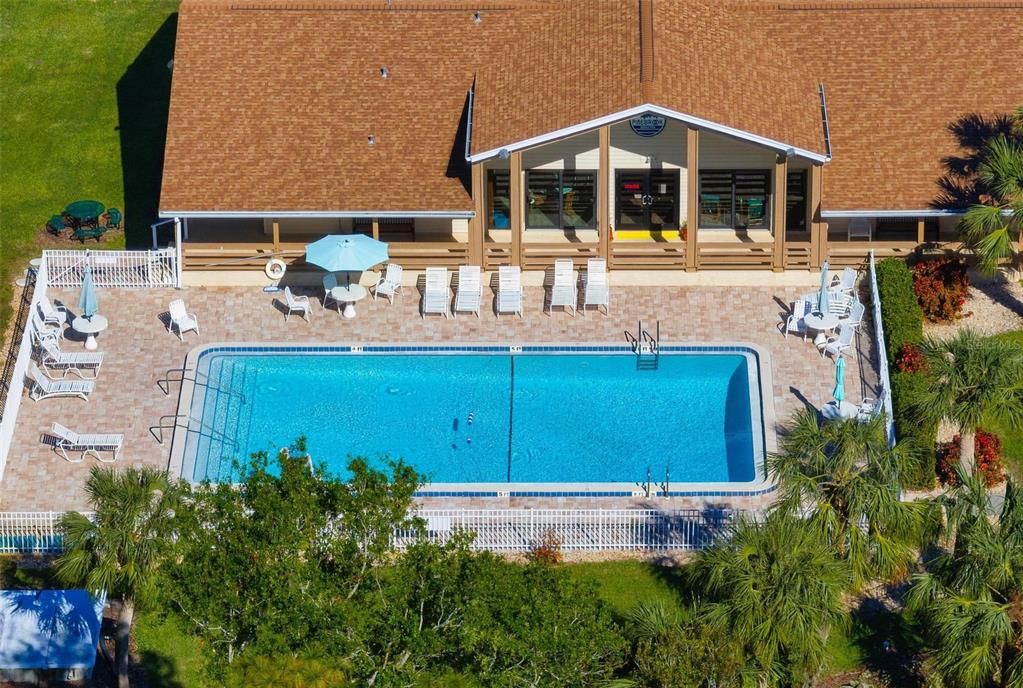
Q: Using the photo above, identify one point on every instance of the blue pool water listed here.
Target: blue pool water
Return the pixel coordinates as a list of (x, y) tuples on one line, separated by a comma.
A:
[(473, 418)]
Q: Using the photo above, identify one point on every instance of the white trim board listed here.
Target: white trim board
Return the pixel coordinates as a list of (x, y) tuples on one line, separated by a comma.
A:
[(361, 214), (892, 213)]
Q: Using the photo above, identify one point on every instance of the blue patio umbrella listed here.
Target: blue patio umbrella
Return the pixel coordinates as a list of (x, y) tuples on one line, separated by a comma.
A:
[(346, 252), (822, 301), (839, 393), (88, 302)]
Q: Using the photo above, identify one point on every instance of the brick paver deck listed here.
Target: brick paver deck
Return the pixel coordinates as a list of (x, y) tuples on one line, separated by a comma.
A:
[(140, 350)]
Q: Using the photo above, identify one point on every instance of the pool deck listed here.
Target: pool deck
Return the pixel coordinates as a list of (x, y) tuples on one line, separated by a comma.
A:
[(139, 352)]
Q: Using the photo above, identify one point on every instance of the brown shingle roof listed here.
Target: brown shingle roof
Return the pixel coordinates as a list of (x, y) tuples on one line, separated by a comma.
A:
[(273, 100)]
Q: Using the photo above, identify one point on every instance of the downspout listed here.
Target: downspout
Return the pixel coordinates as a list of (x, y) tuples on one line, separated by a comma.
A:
[(177, 248)]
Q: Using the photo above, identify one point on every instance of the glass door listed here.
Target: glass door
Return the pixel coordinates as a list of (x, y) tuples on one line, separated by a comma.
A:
[(646, 200)]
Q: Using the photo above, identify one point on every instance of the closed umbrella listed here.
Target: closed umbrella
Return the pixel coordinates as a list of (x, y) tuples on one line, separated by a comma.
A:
[(346, 252), (88, 302), (839, 393), (822, 301)]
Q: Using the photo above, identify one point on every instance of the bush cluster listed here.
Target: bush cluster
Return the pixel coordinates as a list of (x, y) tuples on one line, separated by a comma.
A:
[(906, 387), (910, 359), (941, 287), (988, 447), (900, 311)]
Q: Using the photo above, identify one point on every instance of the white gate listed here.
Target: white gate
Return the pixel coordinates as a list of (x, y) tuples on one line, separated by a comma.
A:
[(113, 269)]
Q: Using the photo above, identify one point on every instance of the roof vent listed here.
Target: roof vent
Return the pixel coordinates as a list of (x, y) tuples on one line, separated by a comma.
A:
[(384, 73), (477, 18), (372, 140)]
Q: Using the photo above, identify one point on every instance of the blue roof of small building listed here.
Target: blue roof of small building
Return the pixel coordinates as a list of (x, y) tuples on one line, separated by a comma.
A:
[(49, 629)]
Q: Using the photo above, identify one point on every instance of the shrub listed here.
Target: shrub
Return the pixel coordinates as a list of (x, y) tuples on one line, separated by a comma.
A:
[(941, 287), (910, 359), (988, 457), (905, 388), (547, 550), (900, 311)]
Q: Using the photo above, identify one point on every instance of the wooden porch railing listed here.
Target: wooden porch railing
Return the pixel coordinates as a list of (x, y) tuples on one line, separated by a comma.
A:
[(540, 256), (496, 255), (855, 254), (412, 255), (644, 255), (735, 256), (797, 255)]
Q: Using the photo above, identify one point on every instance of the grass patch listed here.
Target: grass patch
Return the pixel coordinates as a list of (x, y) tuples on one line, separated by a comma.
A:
[(624, 584), (20, 574), (1012, 437), (84, 116), (172, 658)]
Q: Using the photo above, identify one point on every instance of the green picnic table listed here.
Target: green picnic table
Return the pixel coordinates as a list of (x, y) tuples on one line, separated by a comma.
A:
[(84, 211)]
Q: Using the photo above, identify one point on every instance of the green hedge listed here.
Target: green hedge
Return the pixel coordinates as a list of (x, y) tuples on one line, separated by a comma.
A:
[(901, 315), (906, 387)]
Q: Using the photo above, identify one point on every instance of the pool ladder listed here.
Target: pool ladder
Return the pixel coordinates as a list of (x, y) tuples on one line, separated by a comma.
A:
[(647, 347)]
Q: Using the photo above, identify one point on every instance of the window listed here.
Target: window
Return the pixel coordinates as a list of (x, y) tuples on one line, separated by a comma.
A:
[(646, 199), (734, 199), (795, 201), (498, 199), (558, 199)]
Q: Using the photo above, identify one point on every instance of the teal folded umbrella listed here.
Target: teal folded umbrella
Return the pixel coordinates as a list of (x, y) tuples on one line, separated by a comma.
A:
[(839, 393), (88, 302), (823, 303)]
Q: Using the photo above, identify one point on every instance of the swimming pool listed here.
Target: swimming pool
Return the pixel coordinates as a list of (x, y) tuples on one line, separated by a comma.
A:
[(579, 419)]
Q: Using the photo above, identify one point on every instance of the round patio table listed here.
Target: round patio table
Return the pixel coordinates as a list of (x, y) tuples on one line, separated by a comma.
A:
[(821, 322), (91, 327), (84, 211), (348, 296), (839, 410)]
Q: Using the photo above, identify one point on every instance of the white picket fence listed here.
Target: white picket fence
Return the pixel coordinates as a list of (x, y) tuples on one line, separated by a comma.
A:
[(884, 378), (113, 269), (496, 530)]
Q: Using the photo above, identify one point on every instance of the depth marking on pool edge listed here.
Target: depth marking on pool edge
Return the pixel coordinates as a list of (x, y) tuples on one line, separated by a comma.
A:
[(511, 412)]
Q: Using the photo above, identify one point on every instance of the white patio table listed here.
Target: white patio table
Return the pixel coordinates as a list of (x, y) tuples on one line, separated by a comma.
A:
[(822, 323), (348, 295), (91, 327)]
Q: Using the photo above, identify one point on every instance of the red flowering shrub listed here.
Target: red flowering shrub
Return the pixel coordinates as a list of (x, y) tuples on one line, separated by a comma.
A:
[(941, 287), (910, 359), (988, 457), (547, 550)]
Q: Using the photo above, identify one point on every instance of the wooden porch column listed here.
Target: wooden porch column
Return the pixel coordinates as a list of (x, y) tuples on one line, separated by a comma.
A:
[(781, 173), (604, 193), (818, 229), (478, 224), (921, 230), (518, 205), (276, 234), (692, 196), (375, 227)]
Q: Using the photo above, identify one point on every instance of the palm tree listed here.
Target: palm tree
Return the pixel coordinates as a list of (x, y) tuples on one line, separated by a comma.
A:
[(971, 378), (776, 589), (121, 547), (843, 476), (991, 228), (971, 598)]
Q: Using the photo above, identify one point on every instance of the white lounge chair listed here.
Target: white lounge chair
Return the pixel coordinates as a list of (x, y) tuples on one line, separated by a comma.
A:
[(596, 291), (69, 440), (436, 297), (390, 283), (564, 293), (855, 315), (295, 304), (56, 315), (509, 290), (836, 346), (181, 319), (52, 358), (795, 323), (845, 282), (469, 294), (45, 388), (860, 228), (329, 282)]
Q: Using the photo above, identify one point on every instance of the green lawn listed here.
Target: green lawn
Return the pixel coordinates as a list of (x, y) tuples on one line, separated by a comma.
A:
[(85, 88), (624, 584), (1012, 437), (172, 657)]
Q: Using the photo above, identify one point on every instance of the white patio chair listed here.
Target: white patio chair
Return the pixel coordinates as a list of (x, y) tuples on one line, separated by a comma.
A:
[(436, 297), (836, 346), (564, 292), (69, 440), (839, 303), (181, 319), (46, 388), (329, 282), (469, 294), (596, 291), (870, 408), (52, 358), (296, 304), (855, 315), (845, 282), (795, 323), (41, 330), (390, 283), (509, 290), (56, 315), (860, 228)]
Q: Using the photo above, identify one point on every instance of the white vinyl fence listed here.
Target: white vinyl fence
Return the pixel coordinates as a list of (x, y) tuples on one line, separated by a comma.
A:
[(113, 269), (497, 530), (882, 353)]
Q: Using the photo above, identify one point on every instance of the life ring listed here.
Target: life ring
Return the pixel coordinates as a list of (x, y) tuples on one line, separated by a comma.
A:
[(275, 268)]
